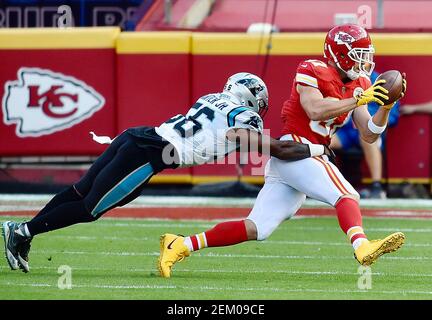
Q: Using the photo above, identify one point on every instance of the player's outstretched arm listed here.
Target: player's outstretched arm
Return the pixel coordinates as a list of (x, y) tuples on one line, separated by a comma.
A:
[(371, 127), (319, 108), (284, 150)]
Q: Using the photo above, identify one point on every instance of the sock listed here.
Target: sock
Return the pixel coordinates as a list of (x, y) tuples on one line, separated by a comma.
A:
[(350, 221), (62, 216), (67, 195), (223, 234)]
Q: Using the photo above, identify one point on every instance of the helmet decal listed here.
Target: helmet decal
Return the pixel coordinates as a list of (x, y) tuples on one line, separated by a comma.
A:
[(250, 90), (343, 38)]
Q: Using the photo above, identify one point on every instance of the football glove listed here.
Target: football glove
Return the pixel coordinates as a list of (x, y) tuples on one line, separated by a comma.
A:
[(375, 93), (404, 87)]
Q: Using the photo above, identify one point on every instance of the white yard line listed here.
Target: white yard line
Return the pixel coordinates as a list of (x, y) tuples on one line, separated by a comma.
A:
[(222, 289), (277, 242), (288, 272), (221, 256), (171, 201), (283, 226)]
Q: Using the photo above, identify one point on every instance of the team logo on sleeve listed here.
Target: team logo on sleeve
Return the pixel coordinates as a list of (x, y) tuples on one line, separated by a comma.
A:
[(42, 102), (344, 38), (254, 121)]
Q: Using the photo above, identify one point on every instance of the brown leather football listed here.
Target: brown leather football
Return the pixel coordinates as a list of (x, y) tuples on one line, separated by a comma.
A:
[(393, 84)]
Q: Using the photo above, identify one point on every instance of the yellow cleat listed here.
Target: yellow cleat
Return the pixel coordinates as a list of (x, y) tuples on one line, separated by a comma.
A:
[(172, 250), (370, 251)]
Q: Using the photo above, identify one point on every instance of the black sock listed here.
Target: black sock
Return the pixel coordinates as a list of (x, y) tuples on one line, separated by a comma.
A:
[(64, 196), (62, 216)]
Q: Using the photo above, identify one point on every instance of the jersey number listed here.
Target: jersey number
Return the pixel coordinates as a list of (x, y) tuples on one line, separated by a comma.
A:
[(326, 128), (323, 128), (189, 126)]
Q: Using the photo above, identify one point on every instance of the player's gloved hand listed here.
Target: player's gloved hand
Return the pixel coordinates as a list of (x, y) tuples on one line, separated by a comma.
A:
[(329, 153), (375, 93), (404, 87)]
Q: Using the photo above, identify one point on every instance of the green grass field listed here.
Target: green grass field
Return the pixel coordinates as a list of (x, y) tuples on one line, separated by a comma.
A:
[(304, 259)]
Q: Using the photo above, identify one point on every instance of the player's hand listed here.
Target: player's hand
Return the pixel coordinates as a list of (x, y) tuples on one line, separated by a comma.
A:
[(329, 153), (404, 85), (375, 93)]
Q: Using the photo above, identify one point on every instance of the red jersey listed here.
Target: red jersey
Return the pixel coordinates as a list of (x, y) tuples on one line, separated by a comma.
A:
[(325, 78)]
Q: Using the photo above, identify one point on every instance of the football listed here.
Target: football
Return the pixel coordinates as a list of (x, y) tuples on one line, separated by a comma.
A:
[(393, 84)]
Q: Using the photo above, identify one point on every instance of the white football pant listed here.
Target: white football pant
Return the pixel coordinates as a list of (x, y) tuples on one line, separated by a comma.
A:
[(288, 183)]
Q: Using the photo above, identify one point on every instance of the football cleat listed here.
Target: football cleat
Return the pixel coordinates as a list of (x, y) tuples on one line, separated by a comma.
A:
[(370, 251), (13, 239), (172, 250), (23, 255)]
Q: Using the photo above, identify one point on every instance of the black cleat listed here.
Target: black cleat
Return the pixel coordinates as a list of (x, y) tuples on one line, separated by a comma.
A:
[(23, 255), (13, 239)]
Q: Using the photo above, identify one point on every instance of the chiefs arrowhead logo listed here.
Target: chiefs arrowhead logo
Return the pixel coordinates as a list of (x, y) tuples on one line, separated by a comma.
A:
[(42, 102), (344, 38)]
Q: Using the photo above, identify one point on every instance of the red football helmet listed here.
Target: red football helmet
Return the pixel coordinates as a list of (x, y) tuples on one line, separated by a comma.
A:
[(350, 47)]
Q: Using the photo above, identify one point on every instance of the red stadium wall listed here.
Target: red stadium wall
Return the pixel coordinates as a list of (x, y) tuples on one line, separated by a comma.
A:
[(144, 78), (153, 83), (57, 86)]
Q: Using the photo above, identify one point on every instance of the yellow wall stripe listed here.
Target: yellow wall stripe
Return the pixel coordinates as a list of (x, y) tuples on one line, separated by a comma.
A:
[(253, 44), (401, 180), (215, 179), (189, 179), (154, 42), (304, 44), (200, 43), (56, 38), (171, 178)]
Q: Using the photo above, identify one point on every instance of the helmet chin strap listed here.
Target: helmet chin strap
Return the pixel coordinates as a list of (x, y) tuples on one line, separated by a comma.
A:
[(351, 74)]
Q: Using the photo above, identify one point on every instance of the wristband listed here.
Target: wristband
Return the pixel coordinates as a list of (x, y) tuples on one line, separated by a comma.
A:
[(316, 149), (374, 128)]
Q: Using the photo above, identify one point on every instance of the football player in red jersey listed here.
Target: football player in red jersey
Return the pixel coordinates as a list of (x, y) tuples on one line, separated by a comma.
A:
[(324, 95)]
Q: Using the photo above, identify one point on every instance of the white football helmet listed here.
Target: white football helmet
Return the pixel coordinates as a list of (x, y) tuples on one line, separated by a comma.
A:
[(250, 90)]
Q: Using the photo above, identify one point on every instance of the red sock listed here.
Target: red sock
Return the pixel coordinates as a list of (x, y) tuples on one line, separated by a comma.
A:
[(350, 219), (222, 234)]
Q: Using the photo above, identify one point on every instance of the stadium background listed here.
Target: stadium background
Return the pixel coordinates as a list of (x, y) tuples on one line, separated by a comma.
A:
[(152, 59)]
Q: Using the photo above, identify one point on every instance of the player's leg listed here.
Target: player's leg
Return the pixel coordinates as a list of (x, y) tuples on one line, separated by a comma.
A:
[(118, 180), (324, 182), (128, 170), (17, 236), (275, 203), (373, 156), (82, 187)]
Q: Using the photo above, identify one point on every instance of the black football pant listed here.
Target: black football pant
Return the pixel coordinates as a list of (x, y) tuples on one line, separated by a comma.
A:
[(116, 178)]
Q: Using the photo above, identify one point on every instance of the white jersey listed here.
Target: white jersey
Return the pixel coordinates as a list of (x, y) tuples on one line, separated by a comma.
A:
[(200, 135)]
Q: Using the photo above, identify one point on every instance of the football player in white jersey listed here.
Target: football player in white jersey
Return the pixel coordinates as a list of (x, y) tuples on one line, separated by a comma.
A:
[(216, 125)]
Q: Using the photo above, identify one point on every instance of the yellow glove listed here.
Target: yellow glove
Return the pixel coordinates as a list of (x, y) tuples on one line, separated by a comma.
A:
[(404, 88), (375, 93)]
